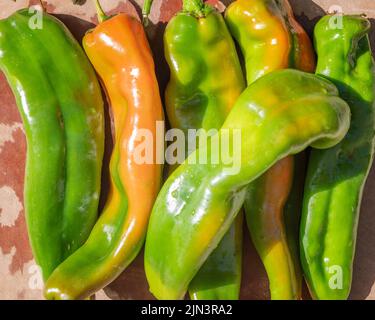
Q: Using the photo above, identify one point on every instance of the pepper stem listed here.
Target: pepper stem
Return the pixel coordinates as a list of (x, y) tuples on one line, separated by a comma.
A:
[(197, 7), (100, 12), (146, 11)]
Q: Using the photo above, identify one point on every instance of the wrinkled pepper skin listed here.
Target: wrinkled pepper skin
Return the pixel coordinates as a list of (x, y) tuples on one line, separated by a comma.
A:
[(120, 53), (271, 39), (59, 99), (204, 84), (280, 114), (206, 76), (336, 177)]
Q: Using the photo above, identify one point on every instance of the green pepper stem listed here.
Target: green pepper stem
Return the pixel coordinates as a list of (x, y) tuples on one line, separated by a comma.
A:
[(100, 12), (146, 11), (194, 6)]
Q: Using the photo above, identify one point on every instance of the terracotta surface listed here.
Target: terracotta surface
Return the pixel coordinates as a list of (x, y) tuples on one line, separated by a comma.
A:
[(19, 276)]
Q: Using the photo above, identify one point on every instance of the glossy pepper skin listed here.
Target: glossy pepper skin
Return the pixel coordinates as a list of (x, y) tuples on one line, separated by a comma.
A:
[(219, 278), (271, 39), (205, 81), (119, 50), (60, 102), (280, 114), (336, 177)]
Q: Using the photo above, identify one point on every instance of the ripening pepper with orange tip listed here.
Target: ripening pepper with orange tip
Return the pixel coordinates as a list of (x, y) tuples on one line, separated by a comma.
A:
[(119, 51), (271, 39)]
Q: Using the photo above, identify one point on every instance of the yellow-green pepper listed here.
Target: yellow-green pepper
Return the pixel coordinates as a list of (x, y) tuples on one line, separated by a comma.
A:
[(280, 114), (270, 39), (205, 81)]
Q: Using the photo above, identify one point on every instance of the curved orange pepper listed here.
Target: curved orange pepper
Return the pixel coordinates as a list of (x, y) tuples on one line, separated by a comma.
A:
[(120, 53)]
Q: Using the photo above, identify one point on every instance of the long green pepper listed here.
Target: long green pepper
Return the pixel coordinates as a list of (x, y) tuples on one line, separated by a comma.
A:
[(205, 82), (336, 176), (60, 102), (280, 114)]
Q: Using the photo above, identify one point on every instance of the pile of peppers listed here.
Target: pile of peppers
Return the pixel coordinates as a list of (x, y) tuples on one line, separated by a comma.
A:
[(252, 70)]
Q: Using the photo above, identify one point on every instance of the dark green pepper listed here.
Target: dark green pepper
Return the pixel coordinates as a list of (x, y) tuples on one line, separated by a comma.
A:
[(60, 102), (280, 114), (336, 177), (219, 278)]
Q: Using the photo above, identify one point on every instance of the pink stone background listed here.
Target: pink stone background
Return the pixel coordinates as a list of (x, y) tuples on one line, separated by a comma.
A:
[(20, 277)]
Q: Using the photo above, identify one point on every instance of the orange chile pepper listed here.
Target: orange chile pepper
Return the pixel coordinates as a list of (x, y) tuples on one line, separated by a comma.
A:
[(271, 39), (119, 51)]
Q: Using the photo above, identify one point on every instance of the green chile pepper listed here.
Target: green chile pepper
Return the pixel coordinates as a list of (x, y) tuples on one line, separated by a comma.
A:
[(336, 177), (205, 82), (280, 114), (60, 102)]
